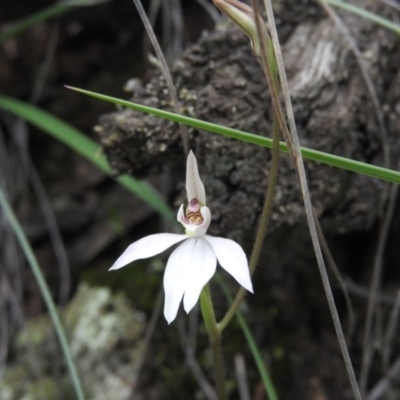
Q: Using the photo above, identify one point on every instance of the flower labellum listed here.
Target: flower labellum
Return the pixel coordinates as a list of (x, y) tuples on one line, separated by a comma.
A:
[(193, 263)]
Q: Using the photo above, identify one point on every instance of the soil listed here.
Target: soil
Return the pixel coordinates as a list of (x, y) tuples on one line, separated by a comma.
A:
[(217, 79)]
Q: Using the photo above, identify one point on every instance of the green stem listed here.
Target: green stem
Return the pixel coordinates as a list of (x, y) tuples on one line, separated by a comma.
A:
[(269, 200), (365, 14), (262, 228), (40, 16), (218, 367), (262, 368), (30, 256), (348, 164), (214, 334), (34, 19)]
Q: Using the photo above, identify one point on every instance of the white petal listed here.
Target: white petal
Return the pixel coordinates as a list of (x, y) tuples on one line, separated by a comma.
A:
[(232, 259), (200, 269), (180, 215), (194, 185), (147, 247), (175, 277), (202, 229)]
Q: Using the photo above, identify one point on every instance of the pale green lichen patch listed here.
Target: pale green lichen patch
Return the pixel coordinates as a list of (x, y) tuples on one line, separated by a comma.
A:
[(105, 336), (97, 320)]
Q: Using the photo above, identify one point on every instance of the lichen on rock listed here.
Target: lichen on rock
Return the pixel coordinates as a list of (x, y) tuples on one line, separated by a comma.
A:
[(106, 339)]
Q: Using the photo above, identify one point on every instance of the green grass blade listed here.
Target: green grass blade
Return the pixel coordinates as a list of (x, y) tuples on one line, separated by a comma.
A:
[(365, 14), (262, 368), (36, 18), (42, 15), (326, 158), (86, 147), (30, 256)]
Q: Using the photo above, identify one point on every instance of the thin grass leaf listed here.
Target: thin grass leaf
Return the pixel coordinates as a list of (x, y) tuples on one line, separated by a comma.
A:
[(315, 155), (43, 15), (255, 351), (86, 147), (30, 256), (292, 140), (164, 69), (365, 14)]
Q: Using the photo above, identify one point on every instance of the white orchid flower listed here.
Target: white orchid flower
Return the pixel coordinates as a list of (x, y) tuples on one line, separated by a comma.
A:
[(193, 263)]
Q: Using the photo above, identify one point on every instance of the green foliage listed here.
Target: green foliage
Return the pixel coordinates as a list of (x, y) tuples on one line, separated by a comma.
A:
[(255, 351), (365, 14), (30, 256), (330, 159), (42, 15), (86, 147)]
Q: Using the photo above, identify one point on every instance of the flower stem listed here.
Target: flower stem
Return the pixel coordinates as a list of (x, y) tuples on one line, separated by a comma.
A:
[(262, 228), (269, 66), (218, 367), (207, 310)]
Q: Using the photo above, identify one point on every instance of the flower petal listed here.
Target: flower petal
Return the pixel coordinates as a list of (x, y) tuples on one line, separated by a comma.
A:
[(147, 247), (175, 278), (232, 259), (200, 269), (181, 215), (202, 229), (194, 185)]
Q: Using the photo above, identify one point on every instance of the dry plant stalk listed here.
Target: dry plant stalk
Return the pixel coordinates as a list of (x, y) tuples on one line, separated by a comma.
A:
[(259, 40)]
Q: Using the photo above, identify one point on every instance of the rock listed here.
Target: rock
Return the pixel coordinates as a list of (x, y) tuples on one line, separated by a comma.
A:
[(106, 340), (219, 80)]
